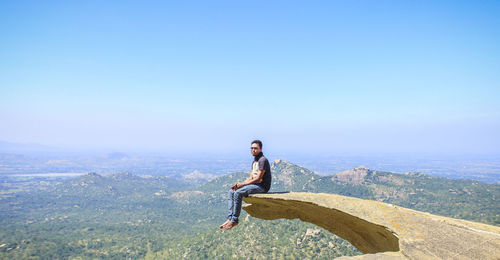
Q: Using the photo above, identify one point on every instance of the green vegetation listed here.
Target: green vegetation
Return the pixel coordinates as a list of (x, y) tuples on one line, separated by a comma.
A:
[(259, 239), (127, 216)]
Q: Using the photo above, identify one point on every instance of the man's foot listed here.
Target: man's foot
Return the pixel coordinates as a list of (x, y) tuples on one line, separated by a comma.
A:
[(224, 224), (230, 225)]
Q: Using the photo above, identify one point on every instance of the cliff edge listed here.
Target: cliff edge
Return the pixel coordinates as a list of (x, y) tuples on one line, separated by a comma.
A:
[(381, 230)]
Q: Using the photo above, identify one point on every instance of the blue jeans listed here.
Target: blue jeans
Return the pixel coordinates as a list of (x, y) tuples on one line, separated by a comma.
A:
[(234, 199)]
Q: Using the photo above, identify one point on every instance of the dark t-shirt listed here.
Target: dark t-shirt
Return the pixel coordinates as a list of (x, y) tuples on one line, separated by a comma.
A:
[(261, 163)]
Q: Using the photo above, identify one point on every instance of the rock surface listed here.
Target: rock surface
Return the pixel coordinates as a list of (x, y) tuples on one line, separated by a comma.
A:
[(355, 176), (381, 230)]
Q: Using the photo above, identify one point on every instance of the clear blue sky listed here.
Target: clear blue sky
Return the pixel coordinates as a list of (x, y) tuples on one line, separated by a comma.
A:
[(198, 76)]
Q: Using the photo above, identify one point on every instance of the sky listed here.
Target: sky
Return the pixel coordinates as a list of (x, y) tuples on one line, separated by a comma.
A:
[(310, 77)]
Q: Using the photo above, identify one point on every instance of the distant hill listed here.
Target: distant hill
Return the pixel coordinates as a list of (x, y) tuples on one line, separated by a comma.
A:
[(11, 147)]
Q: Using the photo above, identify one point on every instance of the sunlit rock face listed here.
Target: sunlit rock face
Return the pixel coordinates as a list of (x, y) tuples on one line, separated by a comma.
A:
[(355, 176), (381, 230)]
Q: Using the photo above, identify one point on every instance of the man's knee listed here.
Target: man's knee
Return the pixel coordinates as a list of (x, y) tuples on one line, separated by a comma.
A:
[(230, 193), (239, 193)]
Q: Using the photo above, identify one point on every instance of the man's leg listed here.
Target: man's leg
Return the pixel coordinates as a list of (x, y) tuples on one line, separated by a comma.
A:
[(230, 206), (238, 196)]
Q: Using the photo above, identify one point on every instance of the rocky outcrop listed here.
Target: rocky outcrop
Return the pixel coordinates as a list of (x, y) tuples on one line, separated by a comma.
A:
[(355, 176), (381, 230)]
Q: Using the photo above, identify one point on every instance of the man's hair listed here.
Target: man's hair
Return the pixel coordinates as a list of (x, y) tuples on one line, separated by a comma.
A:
[(257, 142)]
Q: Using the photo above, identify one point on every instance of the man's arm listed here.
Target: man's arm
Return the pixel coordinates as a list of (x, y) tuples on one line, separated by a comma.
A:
[(250, 180), (236, 185)]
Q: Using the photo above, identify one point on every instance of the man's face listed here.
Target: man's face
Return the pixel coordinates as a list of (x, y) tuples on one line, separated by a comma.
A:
[(255, 149)]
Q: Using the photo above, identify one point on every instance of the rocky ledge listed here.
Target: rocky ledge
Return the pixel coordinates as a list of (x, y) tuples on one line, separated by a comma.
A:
[(381, 230)]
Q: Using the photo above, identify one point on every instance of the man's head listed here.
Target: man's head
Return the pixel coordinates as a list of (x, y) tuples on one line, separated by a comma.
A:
[(256, 147)]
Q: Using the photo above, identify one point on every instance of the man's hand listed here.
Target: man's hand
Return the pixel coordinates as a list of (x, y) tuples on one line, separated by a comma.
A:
[(237, 186)]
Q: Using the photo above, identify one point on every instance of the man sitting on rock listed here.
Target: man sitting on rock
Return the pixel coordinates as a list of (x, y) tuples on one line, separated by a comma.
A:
[(258, 182)]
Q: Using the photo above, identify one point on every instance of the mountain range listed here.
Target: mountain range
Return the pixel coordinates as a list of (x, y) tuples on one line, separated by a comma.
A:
[(132, 216)]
